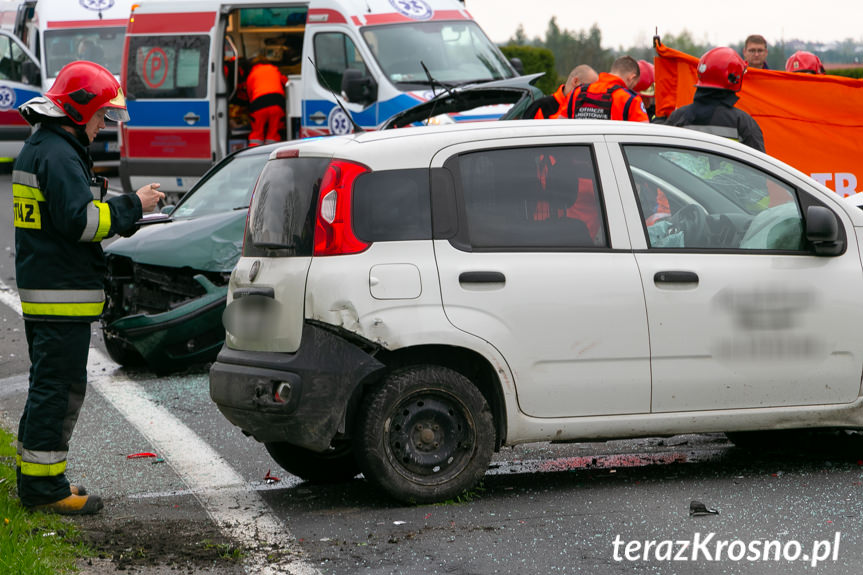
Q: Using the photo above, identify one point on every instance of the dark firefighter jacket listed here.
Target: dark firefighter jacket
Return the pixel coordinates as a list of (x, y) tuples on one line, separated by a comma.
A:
[(59, 225), (713, 111)]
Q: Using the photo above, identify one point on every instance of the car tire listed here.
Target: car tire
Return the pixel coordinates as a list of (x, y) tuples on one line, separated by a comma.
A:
[(335, 465), (425, 434), (121, 352)]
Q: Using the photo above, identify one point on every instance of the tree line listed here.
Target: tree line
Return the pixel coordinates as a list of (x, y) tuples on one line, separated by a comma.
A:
[(560, 50)]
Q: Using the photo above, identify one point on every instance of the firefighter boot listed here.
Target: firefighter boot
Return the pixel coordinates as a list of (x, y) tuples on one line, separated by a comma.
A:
[(72, 505)]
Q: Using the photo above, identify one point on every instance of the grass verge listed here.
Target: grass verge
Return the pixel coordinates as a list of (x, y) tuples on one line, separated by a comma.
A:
[(32, 543)]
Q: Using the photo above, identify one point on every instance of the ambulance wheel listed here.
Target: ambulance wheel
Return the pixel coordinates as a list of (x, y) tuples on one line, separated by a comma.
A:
[(425, 434), (335, 465)]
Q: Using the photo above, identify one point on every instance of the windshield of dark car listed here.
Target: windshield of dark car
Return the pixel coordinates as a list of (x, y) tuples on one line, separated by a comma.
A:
[(228, 187), (454, 52)]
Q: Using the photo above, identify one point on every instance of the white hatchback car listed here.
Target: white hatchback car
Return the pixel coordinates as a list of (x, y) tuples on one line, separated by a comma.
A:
[(410, 301)]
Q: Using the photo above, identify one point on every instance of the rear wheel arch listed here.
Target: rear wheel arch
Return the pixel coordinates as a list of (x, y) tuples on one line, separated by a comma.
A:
[(468, 363)]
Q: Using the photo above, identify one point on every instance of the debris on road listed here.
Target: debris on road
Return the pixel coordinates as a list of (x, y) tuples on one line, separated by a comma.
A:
[(142, 455), (270, 479), (697, 509)]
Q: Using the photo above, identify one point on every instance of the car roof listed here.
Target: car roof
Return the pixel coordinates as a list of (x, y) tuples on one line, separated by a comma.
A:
[(385, 147)]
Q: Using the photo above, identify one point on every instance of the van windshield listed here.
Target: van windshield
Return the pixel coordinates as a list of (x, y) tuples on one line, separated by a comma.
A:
[(101, 45), (454, 53)]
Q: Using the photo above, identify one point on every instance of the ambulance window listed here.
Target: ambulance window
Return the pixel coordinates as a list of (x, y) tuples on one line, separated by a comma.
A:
[(101, 45), (167, 67), (11, 59), (335, 53)]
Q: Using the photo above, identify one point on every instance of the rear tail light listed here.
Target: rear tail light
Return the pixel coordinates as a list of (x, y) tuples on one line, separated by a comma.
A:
[(334, 234)]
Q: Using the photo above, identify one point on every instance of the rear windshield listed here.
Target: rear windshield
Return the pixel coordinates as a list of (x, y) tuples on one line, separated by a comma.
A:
[(167, 67), (282, 214)]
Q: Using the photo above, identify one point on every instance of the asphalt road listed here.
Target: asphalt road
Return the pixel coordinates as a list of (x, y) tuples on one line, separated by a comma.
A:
[(610, 507)]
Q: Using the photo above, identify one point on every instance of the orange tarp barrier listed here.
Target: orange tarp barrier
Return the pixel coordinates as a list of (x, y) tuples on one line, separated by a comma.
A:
[(814, 123)]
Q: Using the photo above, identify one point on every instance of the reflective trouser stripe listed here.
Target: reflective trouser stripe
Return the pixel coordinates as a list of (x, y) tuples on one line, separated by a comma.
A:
[(43, 470), (43, 463), (98, 222), (68, 303)]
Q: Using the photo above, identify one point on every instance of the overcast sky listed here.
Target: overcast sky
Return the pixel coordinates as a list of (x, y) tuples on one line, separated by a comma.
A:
[(627, 23)]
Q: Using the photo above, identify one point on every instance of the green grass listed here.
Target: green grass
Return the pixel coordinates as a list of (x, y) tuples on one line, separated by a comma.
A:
[(32, 543)]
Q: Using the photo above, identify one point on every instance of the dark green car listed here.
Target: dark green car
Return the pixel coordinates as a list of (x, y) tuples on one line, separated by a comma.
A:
[(167, 284)]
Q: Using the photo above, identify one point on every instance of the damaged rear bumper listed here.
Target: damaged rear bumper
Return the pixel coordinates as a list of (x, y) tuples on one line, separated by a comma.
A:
[(316, 383)]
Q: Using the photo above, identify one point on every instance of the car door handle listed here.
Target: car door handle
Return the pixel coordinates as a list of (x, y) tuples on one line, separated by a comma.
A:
[(481, 278), (191, 118), (675, 277)]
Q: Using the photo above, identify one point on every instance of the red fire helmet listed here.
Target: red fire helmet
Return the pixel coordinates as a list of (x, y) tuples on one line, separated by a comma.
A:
[(721, 68), (83, 87), (646, 77), (806, 62)]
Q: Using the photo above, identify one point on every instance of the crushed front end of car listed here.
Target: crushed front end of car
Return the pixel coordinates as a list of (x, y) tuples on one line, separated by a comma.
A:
[(163, 317)]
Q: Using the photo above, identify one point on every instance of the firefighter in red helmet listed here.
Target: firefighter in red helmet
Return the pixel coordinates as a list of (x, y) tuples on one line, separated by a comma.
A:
[(59, 222), (804, 62), (720, 76)]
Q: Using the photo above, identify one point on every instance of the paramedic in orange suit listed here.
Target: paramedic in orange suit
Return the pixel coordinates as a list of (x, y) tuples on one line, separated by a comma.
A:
[(549, 106), (265, 86), (610, 97)]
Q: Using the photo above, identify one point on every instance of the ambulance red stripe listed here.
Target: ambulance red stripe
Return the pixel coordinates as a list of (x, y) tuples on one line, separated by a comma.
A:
[(86, 23), (164, 143), (324, 16), (395, 17), (172, 22)]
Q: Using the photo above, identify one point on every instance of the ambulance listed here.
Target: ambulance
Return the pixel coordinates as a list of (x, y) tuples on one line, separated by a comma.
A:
[(184, 62), (47, 35)]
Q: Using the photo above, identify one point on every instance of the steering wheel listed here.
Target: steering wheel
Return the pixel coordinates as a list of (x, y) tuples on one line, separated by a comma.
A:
[(691, 219)]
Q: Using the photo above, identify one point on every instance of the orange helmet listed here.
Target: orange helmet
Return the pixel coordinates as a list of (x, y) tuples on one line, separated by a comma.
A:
[(721, 68), (645, 78), (806, 62), (83, 87)]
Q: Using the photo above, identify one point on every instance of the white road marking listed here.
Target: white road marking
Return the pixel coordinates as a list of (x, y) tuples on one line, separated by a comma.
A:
[(234, 506)]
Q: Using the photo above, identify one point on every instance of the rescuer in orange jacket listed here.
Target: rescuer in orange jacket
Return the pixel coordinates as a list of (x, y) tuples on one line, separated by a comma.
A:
[(265, 86), (550, 106), (610, 97)]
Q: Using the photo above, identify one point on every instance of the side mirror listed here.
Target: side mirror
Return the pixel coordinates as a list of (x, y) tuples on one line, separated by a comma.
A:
[(30, 73), (359, 88), (822, 231), (518, 65)]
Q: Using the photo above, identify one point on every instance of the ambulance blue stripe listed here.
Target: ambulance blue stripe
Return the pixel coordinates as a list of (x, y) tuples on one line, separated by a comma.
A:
[(367, 117), (167, 113), (396, 105)]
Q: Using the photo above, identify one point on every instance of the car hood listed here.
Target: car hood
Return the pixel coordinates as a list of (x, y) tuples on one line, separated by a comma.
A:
[(497, 97), (209, 243)]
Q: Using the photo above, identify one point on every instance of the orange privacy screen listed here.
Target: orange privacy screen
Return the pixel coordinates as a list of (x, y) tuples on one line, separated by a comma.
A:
[(814, 123)]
